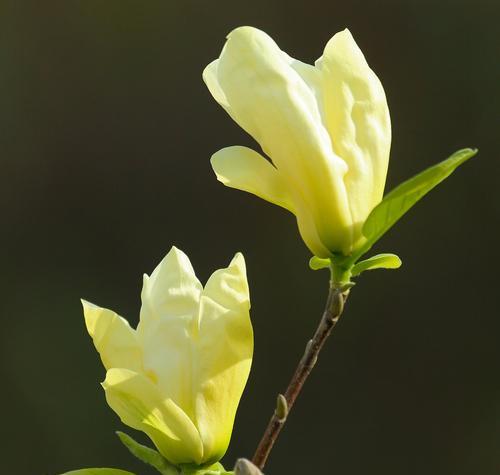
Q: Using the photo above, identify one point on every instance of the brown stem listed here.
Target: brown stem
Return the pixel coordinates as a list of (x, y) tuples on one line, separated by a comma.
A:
[(334, 306)]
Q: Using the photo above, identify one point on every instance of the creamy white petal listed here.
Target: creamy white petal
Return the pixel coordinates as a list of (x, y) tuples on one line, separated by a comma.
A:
[(229, 287), (244, 169), (113, 338), (141, 405), (312, 77), (212, 82), (172, 289), (308, 230), (272, 102), (225, 339), (169, 356), (170, 308), (358, 121)]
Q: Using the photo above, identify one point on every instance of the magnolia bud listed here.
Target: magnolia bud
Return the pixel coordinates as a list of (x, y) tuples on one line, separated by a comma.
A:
[(245, 467)]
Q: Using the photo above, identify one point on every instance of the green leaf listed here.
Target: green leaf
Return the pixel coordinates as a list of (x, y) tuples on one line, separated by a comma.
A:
[(148, 455), (98, 471), (380, 261), (396, 203), (317, 263)]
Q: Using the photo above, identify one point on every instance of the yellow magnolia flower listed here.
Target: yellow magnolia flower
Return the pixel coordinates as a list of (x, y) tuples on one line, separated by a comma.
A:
[(179, 376), (325, 127)]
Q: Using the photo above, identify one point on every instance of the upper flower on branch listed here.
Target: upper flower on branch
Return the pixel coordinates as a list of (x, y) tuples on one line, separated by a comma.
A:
[(326, 129)]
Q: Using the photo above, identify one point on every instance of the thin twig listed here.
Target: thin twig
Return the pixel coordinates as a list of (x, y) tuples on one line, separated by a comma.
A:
[(334, 306)]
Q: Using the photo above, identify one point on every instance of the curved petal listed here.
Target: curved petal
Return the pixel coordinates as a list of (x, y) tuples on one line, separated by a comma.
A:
[(358, 121), (272, 102), (270, 98), (169, 352), (113, 338), (225, 346), (172, 289), (170, 308), (313, 79), (140, 405), (229, 287), (309, 231), (210, 78), (244, 169)]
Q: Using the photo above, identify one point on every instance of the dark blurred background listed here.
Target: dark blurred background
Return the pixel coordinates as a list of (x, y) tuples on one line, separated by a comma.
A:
[(106, 130)]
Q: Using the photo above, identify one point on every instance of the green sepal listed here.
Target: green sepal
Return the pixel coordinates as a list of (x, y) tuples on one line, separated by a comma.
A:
[(396, 203), (380, 261), (98, 471), (215, 469), (317, 263), (148, 455)]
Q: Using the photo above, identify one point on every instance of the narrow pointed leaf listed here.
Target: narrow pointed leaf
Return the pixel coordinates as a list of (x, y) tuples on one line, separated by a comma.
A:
[(98, 471), (380, 261), (148, 455), (396, 203)]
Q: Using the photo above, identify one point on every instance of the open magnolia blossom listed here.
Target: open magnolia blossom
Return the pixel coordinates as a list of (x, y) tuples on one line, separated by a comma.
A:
[(179, 376), (325, 127)]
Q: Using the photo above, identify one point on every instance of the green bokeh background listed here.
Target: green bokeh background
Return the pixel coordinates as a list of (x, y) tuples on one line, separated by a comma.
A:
[(106, 130)]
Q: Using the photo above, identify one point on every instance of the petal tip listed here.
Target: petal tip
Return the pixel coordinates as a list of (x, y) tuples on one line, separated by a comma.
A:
[(175, 255), (209, 70), (91, 314), (242, 31), (238, 261), (343, 38)]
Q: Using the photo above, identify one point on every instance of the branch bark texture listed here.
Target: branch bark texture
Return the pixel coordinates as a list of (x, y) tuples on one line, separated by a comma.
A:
[(333, 310)]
